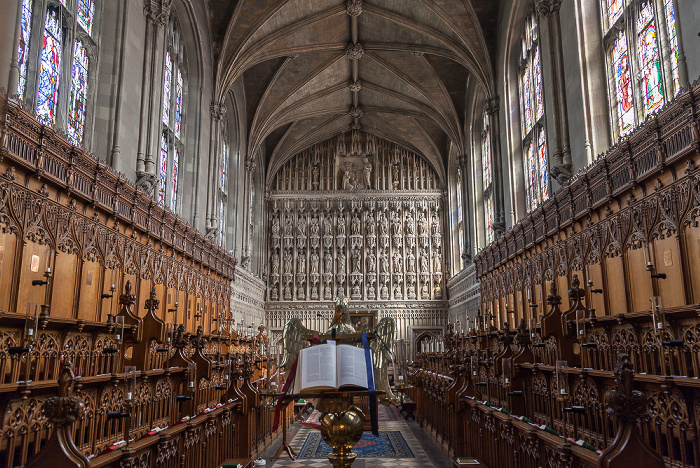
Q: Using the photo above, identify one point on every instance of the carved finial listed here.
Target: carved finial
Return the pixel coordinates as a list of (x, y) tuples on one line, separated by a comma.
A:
[(626, 404), (575, 283), (152, 303), (198, 342), (66, 407)]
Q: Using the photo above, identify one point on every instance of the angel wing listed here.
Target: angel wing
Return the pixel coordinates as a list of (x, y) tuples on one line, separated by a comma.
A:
[(293, 341), (382, 345)]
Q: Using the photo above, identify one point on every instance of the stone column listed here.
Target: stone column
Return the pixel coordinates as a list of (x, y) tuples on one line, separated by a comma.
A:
[(248, 213), (9, 43), (463, 162), (492, 109), (560, 165), (157, 13), (217, 112)]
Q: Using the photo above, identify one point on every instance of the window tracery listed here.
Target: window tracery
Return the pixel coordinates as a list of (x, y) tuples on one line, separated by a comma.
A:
[(643, 54), (171, 145), (486, 164), (532, 118)]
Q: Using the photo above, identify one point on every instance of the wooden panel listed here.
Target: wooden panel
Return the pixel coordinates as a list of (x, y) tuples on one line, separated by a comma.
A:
[(667, 260), (692, 241), (64, 284), (34, 257), (615, 285), (640, 282), (8, 244), (90, 281)]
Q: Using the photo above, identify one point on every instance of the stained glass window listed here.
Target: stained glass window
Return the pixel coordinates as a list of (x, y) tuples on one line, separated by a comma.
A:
[(673, 42), (78, 94), (532, 111), (86, 12), (163, 168), (222, 222), (178, 103), (639, 85), (173, 181), (487, 178), (50, 69), (623, 79), (224, 167), (489, 220), (648, 46), (23, 52), (167, 84)]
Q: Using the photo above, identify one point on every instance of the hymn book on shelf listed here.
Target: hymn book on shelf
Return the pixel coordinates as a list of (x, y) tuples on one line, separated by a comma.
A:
[(330, 367)]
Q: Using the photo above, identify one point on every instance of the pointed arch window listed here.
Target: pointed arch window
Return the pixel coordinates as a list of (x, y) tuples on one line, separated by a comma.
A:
[(532, 116), (223, 184), (54, 78), (460, 218), (486, 164), (642, 51), (171, 144)]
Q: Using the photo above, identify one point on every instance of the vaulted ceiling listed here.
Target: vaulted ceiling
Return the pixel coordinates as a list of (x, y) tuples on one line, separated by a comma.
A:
[(312, 69)]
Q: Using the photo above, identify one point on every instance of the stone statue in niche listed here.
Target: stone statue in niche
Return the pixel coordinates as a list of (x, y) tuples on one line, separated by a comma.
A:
[(301, 226), (275, 292), (275, 264), (383, 225), (411, 263), (410, 228), (397, 292), (422, 225), (275, 226), (397, 262), (328, 262), (327, 226), (314, 176), (370, 291), (396, 225), (356, 262), (341, 225), (355, 226), (368, 173), (371, 227), (411, 291), (423, 262), (287, 292), (314, 263), (395, 175), (341, 263), (384, 259), (314, 229), (301, 266), (288, 224), (349, 181), (371, 262), (425, 291), (287, 264), (385, 291), (437, 261), (435, 225)]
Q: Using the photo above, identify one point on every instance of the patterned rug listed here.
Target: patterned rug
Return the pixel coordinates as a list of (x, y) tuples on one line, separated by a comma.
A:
[(384, 413), (389, 444)]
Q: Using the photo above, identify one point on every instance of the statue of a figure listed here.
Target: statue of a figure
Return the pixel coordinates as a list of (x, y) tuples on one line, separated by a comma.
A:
[(422, 225), (288, 224), (411, 263), (397, 292), (368, 174), (341, 225), (356, 262), (301, 226), (275, 292), (287, 264), (275, 264), (371, 227), (314, 263), (411, 291), (385, 291), (383, 226), (435, 225), (371, 262), (410, 228), (341, 319), (328, 262), (397, 262), (301, 266), (425, 291), (275, 226), (423, 262), (437, 261), (314, 227), (384, 259), (327, 227), (347, 179), (314, 175), (395, 173), (355, 226), (341, 263), (396, 225)]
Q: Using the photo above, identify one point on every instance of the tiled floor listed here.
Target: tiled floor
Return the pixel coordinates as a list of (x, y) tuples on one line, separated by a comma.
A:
[(427, 453)]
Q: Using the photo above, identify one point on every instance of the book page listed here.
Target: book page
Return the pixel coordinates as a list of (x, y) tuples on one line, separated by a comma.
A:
[(352, 368), (317, 368)]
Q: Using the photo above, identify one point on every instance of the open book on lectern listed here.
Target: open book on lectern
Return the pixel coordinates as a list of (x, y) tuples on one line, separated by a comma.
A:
[(330, 367)]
